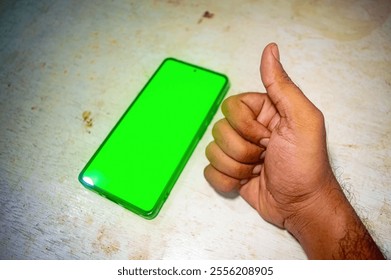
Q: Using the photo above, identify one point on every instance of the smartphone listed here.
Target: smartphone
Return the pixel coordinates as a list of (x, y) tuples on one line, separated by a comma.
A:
[(140, 160)]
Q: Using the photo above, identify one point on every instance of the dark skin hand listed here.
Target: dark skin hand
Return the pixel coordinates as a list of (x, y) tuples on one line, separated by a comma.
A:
[(272, 149)]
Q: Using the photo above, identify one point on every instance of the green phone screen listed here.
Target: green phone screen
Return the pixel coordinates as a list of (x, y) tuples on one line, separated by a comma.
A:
[(138, 163)]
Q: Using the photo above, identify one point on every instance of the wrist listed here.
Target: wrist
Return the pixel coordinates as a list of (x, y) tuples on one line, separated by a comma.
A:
[(314, 208), (322, 223), (329, 228)]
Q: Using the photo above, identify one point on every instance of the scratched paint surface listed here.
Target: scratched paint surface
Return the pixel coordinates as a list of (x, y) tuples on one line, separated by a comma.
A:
[(69, 69)]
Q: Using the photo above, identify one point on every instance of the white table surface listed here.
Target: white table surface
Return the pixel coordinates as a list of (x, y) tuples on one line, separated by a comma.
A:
[(59, 59)]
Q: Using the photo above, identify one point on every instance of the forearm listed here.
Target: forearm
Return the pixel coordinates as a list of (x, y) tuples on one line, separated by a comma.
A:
[(334, 230)]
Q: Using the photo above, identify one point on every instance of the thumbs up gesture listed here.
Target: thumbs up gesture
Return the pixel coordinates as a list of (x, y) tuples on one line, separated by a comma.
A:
[(271, 148)]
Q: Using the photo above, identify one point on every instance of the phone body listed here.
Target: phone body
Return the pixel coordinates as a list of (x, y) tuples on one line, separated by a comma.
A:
[(140, 160)]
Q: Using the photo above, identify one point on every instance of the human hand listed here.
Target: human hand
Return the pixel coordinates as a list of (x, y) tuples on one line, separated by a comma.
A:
[(272, 148)]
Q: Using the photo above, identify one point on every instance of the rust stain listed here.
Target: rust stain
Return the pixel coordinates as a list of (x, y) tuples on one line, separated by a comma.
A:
[(114, 42), (206, 14), (87, 120), (105, 243), (139, 256)]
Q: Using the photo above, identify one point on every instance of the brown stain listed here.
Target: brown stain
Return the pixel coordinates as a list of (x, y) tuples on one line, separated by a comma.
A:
[(139, 256), (61, 220), (342, 20), (114, 42), (352, 146), (95, 47), (105, 243), (36, 108), (207, 15), (99, 104), (89, 220), (87, 120)]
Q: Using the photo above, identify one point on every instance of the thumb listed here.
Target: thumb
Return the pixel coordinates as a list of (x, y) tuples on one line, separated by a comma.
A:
[(284, 94)]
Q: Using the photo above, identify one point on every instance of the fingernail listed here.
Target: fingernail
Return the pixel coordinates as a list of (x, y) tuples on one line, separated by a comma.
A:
[(257, 169), (243, 181), (263, 155), (264, 142), (275, 51)]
